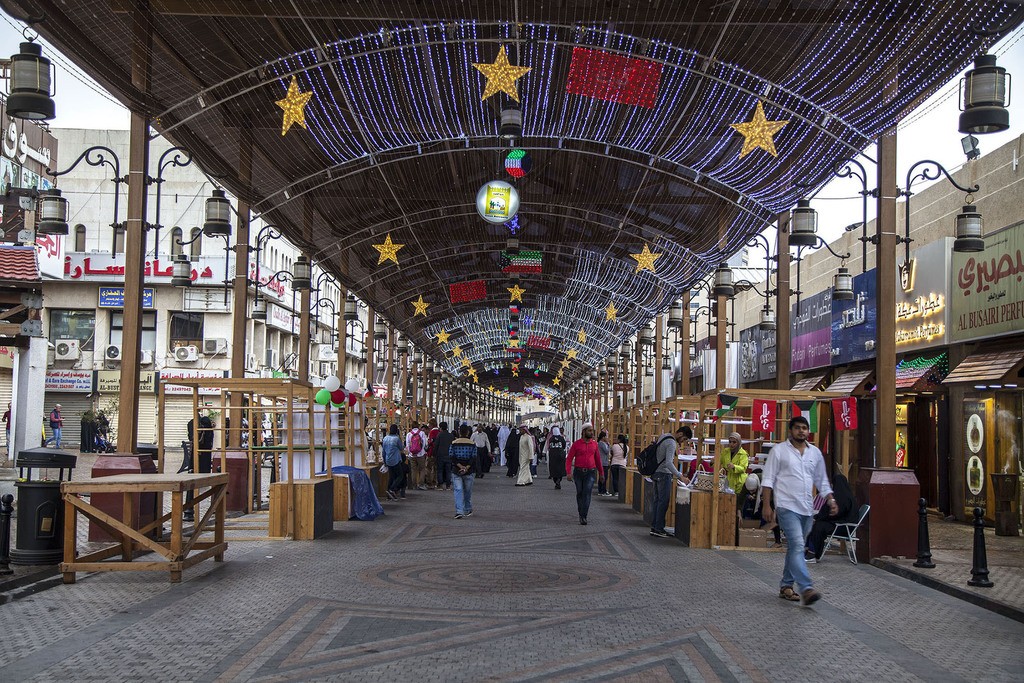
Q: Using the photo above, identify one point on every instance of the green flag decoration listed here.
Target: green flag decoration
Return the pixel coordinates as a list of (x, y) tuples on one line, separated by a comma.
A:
[(726, 403), (806, 408)]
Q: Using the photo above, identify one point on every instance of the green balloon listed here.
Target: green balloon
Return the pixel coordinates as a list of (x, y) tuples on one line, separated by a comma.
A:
[(323, 397)]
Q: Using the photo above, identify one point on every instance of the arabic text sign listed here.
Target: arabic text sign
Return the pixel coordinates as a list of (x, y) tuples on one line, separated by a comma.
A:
[(757, 355), (987, 294), (282, 319), (109, 381), (812, 332), (855, 323), (76, 381), (188, 373), (113, 297), (922, 310), (98, 267)]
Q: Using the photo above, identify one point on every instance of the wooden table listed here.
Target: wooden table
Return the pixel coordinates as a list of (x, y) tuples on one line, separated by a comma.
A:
[(175, 551)]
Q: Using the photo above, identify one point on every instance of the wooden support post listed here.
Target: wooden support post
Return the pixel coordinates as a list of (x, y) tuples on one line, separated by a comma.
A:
[(135, 235), (784, 333), (885, 279), (240, 287)]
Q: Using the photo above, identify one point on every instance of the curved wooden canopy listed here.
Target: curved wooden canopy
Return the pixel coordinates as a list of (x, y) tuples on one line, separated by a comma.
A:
[(398, 140)]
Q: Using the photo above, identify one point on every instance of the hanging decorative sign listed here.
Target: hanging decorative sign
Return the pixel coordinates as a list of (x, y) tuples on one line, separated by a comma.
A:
[(845, 412), (497, 201), (518, 163), (523, 262), (763, 415), (473, 290)]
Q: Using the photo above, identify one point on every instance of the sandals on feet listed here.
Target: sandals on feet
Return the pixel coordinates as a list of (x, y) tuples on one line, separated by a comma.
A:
[(788, 593)]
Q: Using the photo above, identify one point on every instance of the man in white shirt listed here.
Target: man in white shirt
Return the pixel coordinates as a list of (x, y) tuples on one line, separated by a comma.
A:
[(793, 470), (483, 451)]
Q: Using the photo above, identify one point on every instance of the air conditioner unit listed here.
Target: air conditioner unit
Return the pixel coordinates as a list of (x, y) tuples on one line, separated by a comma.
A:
[(327, 354), (67, 349), (113, 353), (251, 363), (273, 359), (215, 347), (184, 354), (146, 358)]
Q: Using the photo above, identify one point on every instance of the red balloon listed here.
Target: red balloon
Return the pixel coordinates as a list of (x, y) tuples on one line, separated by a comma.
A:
[(338, 397), (353, 398)]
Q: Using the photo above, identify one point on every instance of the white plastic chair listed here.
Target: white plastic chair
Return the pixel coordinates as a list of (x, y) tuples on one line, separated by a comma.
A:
[(847, 533)]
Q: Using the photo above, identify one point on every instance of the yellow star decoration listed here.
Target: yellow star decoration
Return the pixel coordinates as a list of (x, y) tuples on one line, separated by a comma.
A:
[(465, 362), (294, 106), (645, 260), (490, 387), (501, 76), (609, 313), (457, 351), (421, 307), (442, 337), (581, 337), (516, 293), (513, 343), (388, 250), (571, 353), (758, 132), (515, 372), (555, 381), (565, 364)]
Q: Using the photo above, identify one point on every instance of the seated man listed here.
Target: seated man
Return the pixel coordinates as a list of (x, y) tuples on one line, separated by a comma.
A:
[(825, 523)]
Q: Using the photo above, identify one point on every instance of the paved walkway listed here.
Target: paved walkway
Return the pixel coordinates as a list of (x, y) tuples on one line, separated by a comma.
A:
[(517, 592)]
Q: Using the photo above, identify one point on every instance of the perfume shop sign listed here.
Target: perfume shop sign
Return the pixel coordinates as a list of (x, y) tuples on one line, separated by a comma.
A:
[(922, 305), (987, 292)]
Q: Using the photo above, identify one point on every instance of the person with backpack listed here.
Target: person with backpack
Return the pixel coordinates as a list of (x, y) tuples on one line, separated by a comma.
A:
[(464, 458), (555, 448), (584, 465), (416, 447), (658, 461)]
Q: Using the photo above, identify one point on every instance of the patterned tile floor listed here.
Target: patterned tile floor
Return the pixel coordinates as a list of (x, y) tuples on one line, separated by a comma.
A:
[(517, 592)]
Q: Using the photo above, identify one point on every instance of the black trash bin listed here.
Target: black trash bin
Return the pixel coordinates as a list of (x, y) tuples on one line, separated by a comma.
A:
[(40, 530)]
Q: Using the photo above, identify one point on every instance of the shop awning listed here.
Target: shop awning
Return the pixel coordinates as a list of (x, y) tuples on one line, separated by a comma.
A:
[(987, 368), (919, 374), (852, 381), (811, 382)]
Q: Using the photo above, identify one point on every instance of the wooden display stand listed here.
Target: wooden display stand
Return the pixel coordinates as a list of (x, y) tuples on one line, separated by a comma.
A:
[(342, 498), (175, 551), (694, 520), (308, 502)]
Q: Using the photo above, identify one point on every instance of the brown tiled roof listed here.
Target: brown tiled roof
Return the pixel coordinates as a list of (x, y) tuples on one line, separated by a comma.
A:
[(811, 382), (18, 265), (986, 367), (850, 381)]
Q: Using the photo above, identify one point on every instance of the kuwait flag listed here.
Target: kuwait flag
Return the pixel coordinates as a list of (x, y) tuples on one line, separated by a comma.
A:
[(613, 77), (726, 403), (807, 409), (523, 262)]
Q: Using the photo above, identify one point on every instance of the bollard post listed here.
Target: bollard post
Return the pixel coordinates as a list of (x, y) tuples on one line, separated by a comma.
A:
[(6, 508), (979, 571), (924, 549)]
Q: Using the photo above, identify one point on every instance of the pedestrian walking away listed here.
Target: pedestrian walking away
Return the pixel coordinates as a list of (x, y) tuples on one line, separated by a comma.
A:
[(605, 450), (394, 455), (617, 465), (584, 466), (512, 454), (416, 447), (526, 453), (483, 451), (442, 445), (56, 426), (430, 462), (464, 459), (556, 456), (793, 469), (664, 478)]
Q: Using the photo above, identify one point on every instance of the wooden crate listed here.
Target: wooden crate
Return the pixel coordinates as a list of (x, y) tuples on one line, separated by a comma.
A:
[(280, 507), (693, 520), (308, 503), (342, 498)]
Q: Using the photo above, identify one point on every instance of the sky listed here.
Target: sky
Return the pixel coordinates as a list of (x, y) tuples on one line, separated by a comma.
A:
[(930, 132)]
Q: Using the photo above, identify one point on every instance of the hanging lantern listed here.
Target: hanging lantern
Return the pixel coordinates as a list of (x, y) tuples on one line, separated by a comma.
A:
[(593, 375), (518, 163), (767, 323), (218, 215), (649, 371), (693, 352), (52, 218), (666, 362), (512, 245), (603, 370), (379, 333), (983, 98), (302, 274), (645, 337), (181, 272), (351, 310), (30, 96), (969, 230), (803, 228), (511, 123), (723, 281), (417, 357), (402, 346), (612, 362), (259, 308), (842, 285), (624, 350), (675, 315)]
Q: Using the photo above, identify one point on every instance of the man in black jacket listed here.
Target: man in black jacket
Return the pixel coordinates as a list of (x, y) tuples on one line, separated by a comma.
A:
[(204, 448), (512, 454), (442, 443)]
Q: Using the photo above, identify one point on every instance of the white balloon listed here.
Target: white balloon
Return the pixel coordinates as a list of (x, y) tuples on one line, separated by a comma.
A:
[(332, 384), (352, 385)]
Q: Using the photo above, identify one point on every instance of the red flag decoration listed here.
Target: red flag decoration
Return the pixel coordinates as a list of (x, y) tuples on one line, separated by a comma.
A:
[(845, 412), (808, 409), (613, 78), (473, 290), (763, 415), (536, 341)]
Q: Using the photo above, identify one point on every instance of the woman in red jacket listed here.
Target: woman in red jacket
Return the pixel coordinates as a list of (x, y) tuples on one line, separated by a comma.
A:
[(583, 465)]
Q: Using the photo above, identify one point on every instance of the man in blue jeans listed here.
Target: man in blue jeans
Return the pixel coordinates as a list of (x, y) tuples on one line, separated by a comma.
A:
[(464, 462), (793, 470), (56, 426), (664, 480)]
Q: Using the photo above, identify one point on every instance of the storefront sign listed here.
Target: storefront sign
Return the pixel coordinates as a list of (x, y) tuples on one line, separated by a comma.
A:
[(206, 300), (18, 146), (96, 267), (987, 295), (758, 359), (188, 373), (922, 311), (113, 297), (282, 319), (697, 362), (50, 252), (272, 289), (72, 381), (976, 447), (812, 332), (623, 386), (855, 323), (109, 382), (7, 356)]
